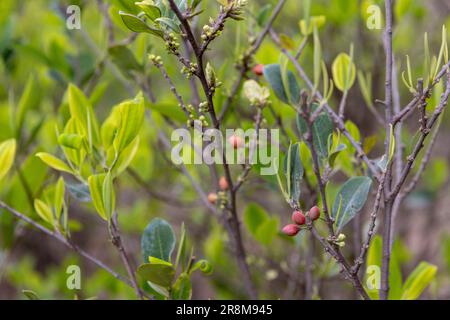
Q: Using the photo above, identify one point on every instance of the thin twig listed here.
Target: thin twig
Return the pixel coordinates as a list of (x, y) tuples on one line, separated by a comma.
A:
[(64, 241), (388, 178)]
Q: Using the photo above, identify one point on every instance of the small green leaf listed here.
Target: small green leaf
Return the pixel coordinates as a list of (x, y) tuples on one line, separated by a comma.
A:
[(138, 25), (151, 11), (108, 196), (350, 199), (307, 27), (160, 274), (131, 120), (202, 265), (182, 288), (294, 172), (158, 240), (254, 216), (344, 72), (81, 109), (44, 211), (7, 155), (31, 295), (95, 183), (54, 162), (286, 42), (418, 280), (322, 128), (169, 24), (72, 141), (272, 72), (59, 197)]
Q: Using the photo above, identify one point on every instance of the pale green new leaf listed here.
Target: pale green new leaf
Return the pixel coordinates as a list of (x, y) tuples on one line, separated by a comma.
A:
[(7, 154), (54, 162), (418, 281)]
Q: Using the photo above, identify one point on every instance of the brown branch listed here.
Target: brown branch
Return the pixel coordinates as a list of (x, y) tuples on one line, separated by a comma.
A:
[(244, 66), (118, 243)]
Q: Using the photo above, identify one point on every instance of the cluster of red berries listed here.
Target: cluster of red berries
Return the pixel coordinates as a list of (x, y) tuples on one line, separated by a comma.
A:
[(299, 219)]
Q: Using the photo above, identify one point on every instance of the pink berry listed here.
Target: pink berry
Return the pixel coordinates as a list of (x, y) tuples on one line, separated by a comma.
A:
[(223, 184), (291, 230), (298, 218), (314, 213), (212, 198), (258, 69)]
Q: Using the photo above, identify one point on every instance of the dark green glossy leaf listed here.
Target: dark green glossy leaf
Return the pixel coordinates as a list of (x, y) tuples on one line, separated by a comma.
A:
[(272, 72), (158, 240)]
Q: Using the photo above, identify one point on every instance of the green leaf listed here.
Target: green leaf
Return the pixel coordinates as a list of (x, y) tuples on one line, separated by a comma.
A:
[(158, 240), (138, 25), (306, 28), (160, 274), (43, 210), (294, 172), (181, 252), (344, 72), (108, 195), (131, 120), (7, 154), (254, 216), (267, 231), (322, 128), (54, 162), (81, 109), (286, 42), (350, 199), (151, 11), (124, 58), (169, 24), (79, 191), (28, 100), (272, 72), (72, 140), (182, 288), (418, 280), (31, 295), (202, 265), (59, 197), (95, 183)]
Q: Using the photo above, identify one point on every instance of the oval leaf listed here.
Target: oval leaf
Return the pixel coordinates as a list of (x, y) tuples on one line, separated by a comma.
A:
[(158, 240), (350, 199), (7, 154)]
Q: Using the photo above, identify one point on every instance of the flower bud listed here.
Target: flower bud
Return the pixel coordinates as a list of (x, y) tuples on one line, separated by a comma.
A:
[(258, 69), (291, 230), (223, 184), (212, 198), (298, 218), (314, 213), (341, 237)]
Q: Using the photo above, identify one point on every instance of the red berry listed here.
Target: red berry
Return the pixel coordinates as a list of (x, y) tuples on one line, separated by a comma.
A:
[(298, 218), (223, 184), (212, 198), (291, 230), (258, 69), (235, 141), (314, 213)]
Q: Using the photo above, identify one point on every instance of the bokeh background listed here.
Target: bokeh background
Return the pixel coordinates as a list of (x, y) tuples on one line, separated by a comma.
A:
[(37, 48)]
